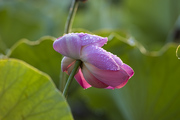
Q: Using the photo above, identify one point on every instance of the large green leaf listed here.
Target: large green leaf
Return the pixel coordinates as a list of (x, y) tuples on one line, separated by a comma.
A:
[(152, 93), (39, 54), (28, 94)]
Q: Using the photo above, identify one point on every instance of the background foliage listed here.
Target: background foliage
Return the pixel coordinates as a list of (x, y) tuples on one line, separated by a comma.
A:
[(147, 41)]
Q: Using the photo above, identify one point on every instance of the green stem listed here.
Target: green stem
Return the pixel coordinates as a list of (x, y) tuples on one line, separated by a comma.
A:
[(70, 79), (68, 25), (71, 15)]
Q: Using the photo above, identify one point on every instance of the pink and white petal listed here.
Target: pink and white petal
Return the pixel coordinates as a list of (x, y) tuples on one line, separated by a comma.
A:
[(124, 66), (128, 69), (117, 59), (109, 87), (99, 57), (68, 45), (111, 78), (91, 79), (66, 63), (80, 79), (122, 84), (88, 39), (119, 86)]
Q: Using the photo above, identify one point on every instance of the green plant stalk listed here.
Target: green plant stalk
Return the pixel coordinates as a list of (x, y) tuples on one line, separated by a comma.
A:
[(71, 15), (68, 25), (70, 79)]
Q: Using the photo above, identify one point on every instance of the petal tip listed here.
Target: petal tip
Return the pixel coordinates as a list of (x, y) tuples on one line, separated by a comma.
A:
[(128, 70)]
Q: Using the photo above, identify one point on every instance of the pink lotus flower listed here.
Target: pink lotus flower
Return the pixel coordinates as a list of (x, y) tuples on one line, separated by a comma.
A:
[(99, 68)]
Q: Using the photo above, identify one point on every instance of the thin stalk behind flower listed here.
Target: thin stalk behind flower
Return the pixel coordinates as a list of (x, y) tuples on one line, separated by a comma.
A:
[(71, 15), (68, 25)]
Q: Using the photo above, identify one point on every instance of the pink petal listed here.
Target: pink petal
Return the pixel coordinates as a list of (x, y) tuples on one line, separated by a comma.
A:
[(68, 45), (66, 63), (119, 86), (109, 87), (111, 78), (117, 59), (99, 57), (91, 79), (88, 39), (128, 69), (80, 79), (122, 84)]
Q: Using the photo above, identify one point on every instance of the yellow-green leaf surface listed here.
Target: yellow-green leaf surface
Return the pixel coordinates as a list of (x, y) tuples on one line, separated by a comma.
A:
[(39, 54), (28, 94)]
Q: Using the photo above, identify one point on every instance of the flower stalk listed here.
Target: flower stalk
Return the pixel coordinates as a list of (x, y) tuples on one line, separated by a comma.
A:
[(68, 25), (71, 15), (70, 79)]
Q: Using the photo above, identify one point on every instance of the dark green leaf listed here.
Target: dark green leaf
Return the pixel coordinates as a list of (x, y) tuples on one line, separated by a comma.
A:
[(152, 93)]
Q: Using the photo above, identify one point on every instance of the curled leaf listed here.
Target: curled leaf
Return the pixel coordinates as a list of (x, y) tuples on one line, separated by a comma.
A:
[(178, 52)]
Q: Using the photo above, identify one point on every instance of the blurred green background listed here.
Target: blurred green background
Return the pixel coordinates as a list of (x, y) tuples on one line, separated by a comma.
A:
[(152, 25), (150, 21)]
